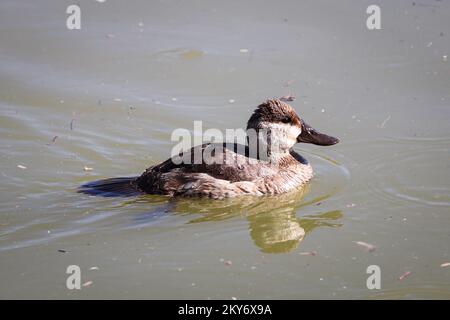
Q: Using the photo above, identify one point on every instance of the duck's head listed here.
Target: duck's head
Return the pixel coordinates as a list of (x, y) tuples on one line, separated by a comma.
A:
[(283, 128)]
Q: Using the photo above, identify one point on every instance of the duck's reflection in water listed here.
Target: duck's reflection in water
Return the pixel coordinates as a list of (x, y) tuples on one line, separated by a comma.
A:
[(273, 222)]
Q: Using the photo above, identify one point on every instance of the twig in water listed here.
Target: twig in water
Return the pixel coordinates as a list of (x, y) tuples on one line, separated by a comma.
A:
[(385, 121)]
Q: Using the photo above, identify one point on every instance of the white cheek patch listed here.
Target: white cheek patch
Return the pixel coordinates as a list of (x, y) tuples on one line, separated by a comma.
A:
[(295, 131), (283, 132)]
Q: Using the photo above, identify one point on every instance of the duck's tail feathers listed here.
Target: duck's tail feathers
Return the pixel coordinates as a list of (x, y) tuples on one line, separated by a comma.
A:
[(112, 187)]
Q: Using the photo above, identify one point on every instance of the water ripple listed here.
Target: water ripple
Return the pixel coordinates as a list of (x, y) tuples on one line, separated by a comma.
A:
[(411, 171)]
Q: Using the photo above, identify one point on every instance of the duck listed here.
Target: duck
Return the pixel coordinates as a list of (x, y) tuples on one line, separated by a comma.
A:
[(265, 165)]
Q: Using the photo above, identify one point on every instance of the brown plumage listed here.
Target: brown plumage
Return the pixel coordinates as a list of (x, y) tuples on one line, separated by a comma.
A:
[(231, 170)]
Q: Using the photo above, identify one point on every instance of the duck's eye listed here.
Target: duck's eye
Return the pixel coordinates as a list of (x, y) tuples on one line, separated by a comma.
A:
[(286, 119)]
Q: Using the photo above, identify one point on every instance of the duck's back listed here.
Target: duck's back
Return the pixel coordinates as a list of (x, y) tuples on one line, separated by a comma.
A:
[(207, 170), (221, 171), (211, 170)]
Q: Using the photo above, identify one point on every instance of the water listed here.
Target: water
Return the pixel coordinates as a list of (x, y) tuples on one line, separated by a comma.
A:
[(108, 97)]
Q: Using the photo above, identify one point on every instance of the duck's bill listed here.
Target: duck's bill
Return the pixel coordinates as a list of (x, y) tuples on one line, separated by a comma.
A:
[(310, 135)]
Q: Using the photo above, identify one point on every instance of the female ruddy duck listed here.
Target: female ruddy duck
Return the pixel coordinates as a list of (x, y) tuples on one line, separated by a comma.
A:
[(230, 170)]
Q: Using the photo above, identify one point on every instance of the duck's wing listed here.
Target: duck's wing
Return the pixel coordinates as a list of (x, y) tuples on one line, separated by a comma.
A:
[(229, 162)]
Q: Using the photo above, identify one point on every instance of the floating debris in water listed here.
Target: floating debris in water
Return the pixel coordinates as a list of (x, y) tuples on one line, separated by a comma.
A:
[(385, 121), (62, 250), (110, 35), (93, 268), (288, 97), (231, 101), (53, 141), (308, 253), (141, 24), (445, 264), (101, 1), (21, 167), (174, 99), (369, 247), (429, 44), (88, 168), (403, 276), (233, 298), (228, 263), (87, 284), (192, 54), (117, 99), (243, 50), (71, 124), (350, 205), (323, 110), (444, 58)]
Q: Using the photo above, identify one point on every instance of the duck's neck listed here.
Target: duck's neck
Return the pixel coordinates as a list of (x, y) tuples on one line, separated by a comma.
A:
[(265, 152), (278, 158), (267, 146), (275, 157)]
